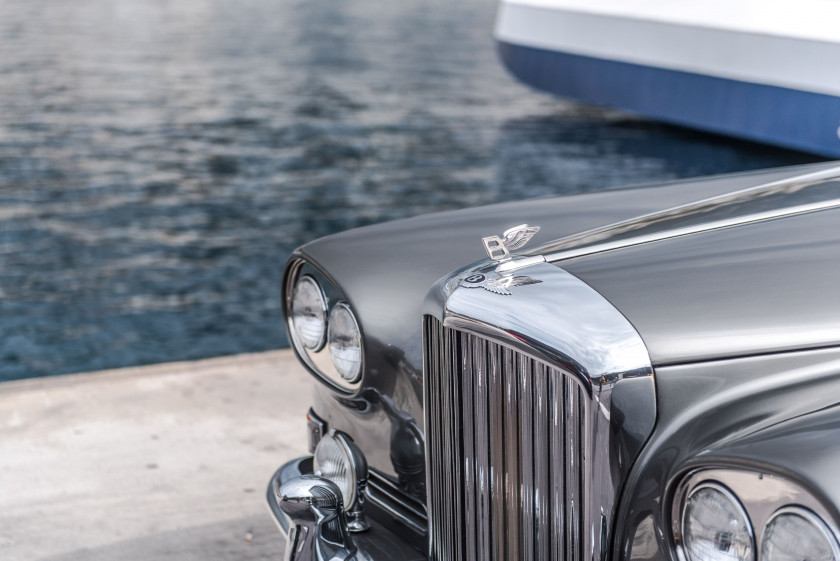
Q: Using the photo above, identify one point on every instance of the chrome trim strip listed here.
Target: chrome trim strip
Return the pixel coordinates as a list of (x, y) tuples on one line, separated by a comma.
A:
[(573, 246), (518, 262), (555, 329), (690, 230), (763, 496), (380, 492)]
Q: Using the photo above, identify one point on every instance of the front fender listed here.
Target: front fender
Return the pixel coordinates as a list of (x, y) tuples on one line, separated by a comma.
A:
[(774, 414)]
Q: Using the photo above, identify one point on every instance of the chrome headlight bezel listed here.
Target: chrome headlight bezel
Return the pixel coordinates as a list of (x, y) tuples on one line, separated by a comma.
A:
[(733, 501), (319, 360), (811, 518), (762, 495)]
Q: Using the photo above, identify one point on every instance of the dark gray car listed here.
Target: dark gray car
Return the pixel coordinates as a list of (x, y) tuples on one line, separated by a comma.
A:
[(655, 375)]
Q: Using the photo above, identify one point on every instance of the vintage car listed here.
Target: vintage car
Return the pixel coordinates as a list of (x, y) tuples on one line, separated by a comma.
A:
[(655, 376)]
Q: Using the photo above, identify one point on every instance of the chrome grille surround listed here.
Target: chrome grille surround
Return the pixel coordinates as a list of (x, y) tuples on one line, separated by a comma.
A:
[(521, 459)]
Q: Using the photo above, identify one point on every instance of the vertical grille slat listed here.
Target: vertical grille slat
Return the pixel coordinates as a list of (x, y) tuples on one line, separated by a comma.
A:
[(542, 469), (526, 459), (432, 404), (571, 499), (457, 435), (470, 513), (496, 420), (558, 478), (447, 441), (505, 439), (482, 450), (512, 481)]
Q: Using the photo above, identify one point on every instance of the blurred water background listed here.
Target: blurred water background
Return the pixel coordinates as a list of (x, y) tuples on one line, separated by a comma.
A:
[(159, 159)]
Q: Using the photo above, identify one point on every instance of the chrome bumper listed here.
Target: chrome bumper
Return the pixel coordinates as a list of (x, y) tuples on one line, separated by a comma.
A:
[(376, 544)]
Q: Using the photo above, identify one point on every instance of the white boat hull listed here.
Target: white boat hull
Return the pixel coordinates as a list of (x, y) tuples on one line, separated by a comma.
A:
[(759, 71)]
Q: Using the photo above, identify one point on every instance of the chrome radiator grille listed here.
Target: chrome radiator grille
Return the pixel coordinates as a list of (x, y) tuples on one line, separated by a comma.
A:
[(506, 439)]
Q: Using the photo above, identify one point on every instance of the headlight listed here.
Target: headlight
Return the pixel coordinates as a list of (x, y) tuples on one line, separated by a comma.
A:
[(345, 342), (716, 527), (309, 313), (338, 459), (793, 534)]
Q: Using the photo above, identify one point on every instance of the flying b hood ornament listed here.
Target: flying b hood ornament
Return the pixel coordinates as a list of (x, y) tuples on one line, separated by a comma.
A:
[(499, 248), (500, 278)]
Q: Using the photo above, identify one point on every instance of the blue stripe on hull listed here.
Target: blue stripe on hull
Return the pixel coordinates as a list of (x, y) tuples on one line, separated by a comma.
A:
[(781, 116)]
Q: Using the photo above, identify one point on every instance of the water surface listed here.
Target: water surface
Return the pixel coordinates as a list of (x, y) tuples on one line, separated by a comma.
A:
[(159, 159)]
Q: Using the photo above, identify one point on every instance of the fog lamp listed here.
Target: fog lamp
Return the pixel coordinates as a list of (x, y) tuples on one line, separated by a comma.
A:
[(338, 459), (716, 527), (345, 342), (793, 534), (309, 313)]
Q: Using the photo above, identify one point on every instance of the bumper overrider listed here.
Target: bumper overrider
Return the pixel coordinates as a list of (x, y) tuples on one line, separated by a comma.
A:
[(309, 511)]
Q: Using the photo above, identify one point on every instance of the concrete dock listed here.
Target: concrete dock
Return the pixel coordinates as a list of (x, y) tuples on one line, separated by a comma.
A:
[(157, 463)]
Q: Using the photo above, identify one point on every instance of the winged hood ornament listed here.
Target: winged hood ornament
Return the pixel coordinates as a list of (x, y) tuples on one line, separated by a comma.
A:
[(499, 248)]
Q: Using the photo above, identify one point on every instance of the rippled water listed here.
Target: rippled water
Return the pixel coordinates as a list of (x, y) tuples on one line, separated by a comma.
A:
[(159, 159)]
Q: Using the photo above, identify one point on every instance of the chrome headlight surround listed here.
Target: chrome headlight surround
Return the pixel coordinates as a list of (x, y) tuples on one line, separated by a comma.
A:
[(763, 496), (318, 359), (815, 522), (736, 512)]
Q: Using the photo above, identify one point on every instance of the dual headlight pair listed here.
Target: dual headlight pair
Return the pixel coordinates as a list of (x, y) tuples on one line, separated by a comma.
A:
[(714, 524), (314, 326)]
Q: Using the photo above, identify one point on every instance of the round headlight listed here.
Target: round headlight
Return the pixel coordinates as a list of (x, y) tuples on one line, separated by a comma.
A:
[(337, 460), (309, 313), (345, 341), (715, 526), (794, 534)]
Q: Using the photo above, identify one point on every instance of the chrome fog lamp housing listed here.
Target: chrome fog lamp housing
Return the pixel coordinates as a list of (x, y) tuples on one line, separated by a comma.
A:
[(338, 459), (795, 533), (715, 526), (345, 342), (309, 313)]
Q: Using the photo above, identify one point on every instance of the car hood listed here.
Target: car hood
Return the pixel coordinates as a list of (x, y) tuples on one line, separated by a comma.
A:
[(704, 269), (752, 272)]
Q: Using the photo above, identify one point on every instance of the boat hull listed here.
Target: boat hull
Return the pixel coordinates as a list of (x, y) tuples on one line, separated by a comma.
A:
[(625, 70)]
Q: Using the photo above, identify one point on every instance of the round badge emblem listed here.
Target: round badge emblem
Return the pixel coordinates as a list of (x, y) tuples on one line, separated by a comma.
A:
[(475, 278)]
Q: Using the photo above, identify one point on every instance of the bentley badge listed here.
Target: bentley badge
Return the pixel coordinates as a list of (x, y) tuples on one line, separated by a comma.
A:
[(493, 282)]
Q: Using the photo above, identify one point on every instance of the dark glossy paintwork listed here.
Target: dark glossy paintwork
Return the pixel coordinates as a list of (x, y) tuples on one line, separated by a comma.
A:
[(775, 413), (386, 270)]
